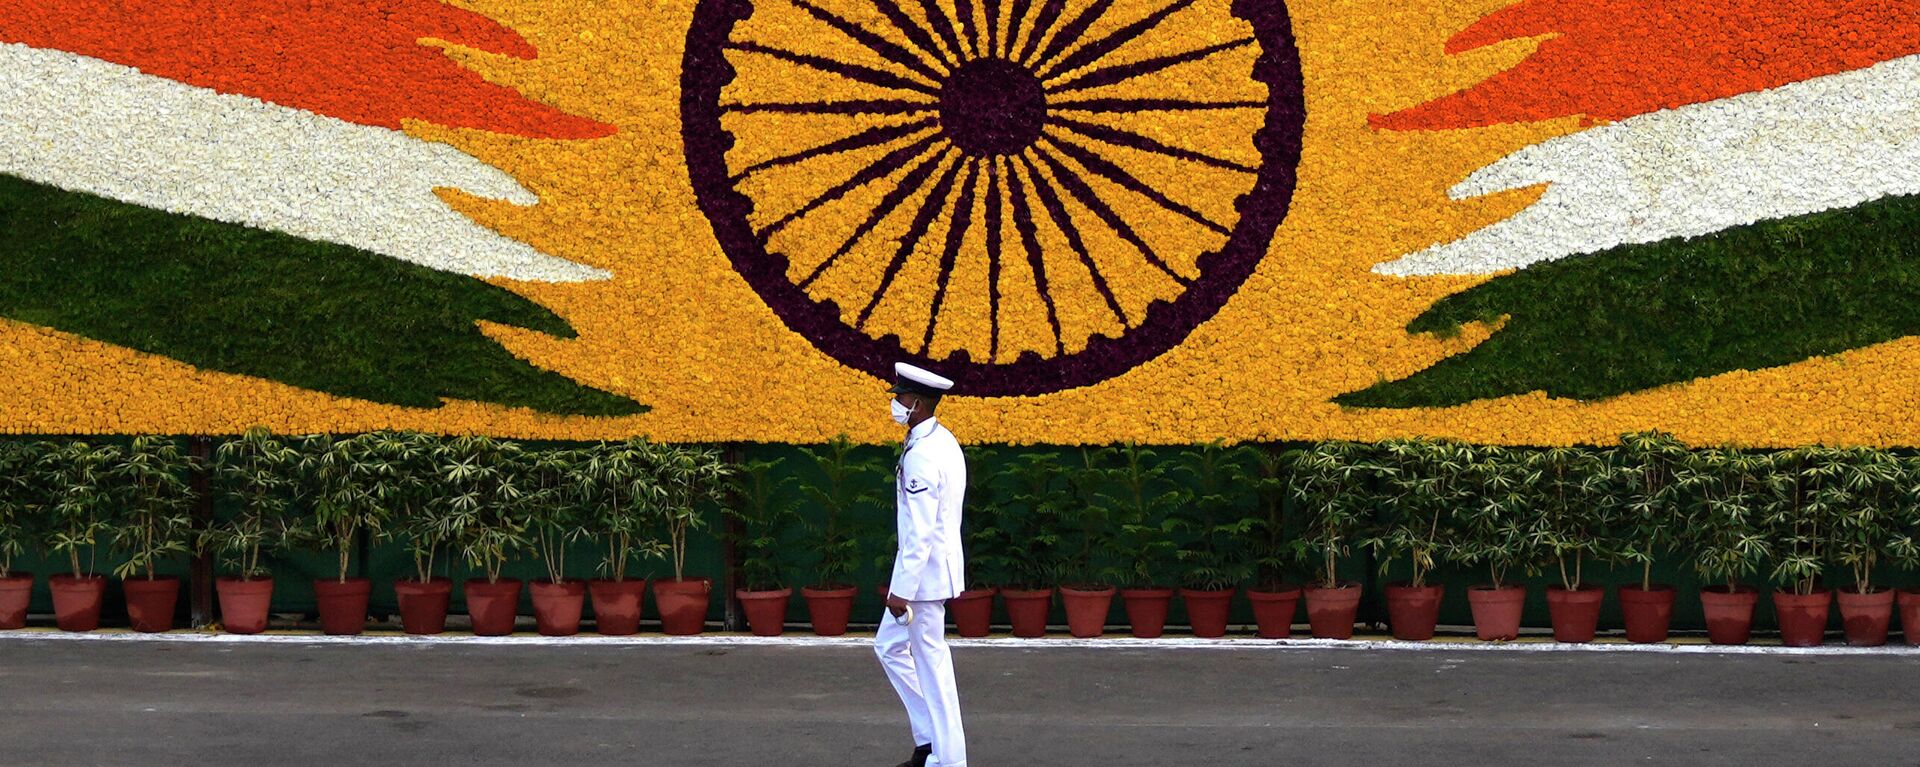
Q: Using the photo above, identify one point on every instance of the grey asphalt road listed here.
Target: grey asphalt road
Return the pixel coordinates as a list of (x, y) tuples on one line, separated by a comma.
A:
[(175, 703)]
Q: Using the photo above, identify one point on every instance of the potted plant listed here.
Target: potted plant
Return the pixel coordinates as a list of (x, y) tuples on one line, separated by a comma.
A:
[(1275, 549), (1861, 490), (421, 526), (1723, 492), (1335, 486), (1644, 527), (487, 494), (1573, 502), (1422, 484), (622, 491), (353, 488), (1797, 518), (1903, 548), (845, 485), (1140, 499), (18, 504), (74, 476), (1088, 589), (1494, 532), (1033, 521), (256, 471), (690, 478), (556, 518), (765, 510), (1215, 524)]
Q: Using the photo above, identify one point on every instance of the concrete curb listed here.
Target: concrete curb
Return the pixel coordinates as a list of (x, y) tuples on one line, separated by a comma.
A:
[(1441, 644)]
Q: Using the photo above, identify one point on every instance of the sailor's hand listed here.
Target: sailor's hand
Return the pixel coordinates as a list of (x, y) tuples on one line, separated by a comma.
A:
[(896, 605)]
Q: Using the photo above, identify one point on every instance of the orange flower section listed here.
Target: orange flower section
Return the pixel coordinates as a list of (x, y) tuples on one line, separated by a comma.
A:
[(357, 60), (1612, 59)]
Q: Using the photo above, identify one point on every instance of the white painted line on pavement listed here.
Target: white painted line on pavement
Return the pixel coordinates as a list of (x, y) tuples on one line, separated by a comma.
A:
[(1445, 644)]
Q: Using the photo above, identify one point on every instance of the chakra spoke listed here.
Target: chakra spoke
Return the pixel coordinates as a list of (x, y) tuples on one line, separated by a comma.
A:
[(1085, 194), (1072, 32), (870, 137), (1050, 11), (1016, 16), (1030, 241), (942, 26), (887, 49), (968, 27), (848, 107), (1152, 105), (1120, 73), (922, 220), (1105, 168), (993, 256), (1050, 199), (992, 8), (879, 169), (854, 72), (1092, 52), (909, 183), (956, 235), (919, 35), (1132, 140)]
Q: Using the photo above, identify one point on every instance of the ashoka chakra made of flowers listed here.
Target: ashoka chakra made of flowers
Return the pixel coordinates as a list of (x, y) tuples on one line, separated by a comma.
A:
[(1026, 196)]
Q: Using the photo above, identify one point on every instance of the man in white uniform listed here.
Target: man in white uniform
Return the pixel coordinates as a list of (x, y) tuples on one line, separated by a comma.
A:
[(930, 482)]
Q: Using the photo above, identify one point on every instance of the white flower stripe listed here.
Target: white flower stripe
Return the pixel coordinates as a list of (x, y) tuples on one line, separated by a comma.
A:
[(93, 126), (1821, 144)]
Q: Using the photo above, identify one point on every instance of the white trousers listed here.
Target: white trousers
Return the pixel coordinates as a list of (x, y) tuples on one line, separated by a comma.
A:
[(918, 664)]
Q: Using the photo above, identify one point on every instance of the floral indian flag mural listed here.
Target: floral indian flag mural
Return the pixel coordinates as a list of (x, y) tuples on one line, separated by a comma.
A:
[(1163, 220)]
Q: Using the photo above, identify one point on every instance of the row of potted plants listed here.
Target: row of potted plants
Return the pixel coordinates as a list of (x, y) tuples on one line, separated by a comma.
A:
[(1145, 524), (479, 500)]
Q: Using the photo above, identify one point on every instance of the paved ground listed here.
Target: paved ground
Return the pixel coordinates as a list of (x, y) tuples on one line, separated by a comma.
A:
[(168, 703)]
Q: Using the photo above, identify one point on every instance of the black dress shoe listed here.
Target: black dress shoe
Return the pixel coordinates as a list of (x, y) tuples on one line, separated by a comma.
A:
[(919, 758)]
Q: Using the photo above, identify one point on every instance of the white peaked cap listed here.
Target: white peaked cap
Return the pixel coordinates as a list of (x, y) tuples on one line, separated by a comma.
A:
[(920, 377)]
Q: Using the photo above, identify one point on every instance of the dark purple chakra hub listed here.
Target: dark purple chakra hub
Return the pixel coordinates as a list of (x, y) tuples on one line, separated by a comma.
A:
[(992, 107)]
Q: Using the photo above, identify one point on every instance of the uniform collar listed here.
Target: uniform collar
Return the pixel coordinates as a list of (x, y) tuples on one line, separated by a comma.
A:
[(926, 427)]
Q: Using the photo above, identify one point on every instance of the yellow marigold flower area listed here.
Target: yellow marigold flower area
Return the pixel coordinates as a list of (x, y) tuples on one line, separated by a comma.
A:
[(678, 329)]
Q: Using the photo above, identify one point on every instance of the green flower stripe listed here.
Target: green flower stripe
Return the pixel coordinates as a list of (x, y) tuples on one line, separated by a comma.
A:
[(1639, 316), (234, 299)]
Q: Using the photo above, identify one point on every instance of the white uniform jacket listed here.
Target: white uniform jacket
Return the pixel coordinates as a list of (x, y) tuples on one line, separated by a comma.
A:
[(930, 484)]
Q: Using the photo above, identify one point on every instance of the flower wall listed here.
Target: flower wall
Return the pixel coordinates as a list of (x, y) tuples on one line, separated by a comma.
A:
[(1534, 222)]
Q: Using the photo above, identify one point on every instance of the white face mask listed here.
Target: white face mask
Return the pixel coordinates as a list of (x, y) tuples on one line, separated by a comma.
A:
[(901, 413)]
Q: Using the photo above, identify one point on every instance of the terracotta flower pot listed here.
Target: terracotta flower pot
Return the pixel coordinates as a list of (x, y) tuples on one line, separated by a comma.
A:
[(1273, 611), (1027, 610), (343, 605), (423, 606), (244, 603), (766, 610), (683, 604), (1331, 611), (972, 612), (1413, 611), (1803, 617), (150, 603), (557, 606), (1207, 610), (493, 605), (830, 608), (1909, 601), (15, 591), (1576, 613), (1146, 611), (1496, 611), (76, 601), (616, 605), (1087, 610), (1647, 613), (1729, 613), (1866, 616)]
